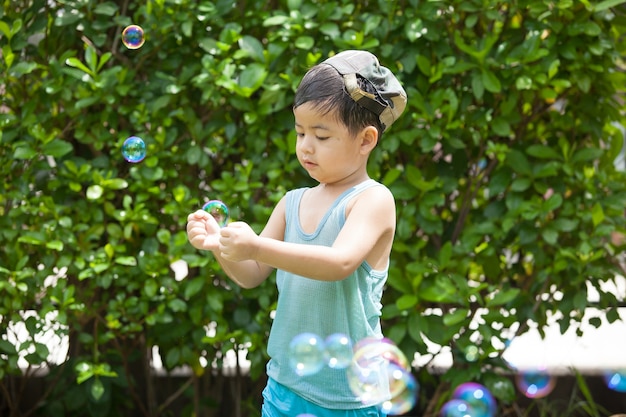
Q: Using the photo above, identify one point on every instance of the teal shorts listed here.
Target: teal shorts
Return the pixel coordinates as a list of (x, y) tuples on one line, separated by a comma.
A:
[(280, 401)]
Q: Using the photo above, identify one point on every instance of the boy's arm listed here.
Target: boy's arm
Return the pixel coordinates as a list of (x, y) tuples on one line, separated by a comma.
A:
[(370, 221)]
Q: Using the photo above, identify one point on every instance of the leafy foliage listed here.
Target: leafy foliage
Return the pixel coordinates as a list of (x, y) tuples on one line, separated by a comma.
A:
[(502, 167)]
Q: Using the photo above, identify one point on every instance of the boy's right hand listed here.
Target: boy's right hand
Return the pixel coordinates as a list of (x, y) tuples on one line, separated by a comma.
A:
[(203, 231)]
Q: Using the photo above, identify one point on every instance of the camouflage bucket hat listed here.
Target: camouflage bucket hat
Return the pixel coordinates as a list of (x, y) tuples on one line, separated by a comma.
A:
[(390, 98)]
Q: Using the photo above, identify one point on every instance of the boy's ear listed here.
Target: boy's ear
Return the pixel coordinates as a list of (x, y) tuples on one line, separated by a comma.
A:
[(369, 139)]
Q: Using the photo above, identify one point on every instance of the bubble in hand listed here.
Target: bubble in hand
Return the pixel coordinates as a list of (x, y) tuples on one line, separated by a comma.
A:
[(218, 210)]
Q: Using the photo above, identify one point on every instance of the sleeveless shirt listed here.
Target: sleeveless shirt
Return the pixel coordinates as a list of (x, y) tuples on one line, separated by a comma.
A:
[(350, 306)]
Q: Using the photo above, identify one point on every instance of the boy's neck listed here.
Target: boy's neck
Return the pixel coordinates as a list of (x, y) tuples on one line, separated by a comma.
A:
[(340, 186)]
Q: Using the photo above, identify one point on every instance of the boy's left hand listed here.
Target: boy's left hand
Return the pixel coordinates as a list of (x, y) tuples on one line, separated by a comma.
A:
[(238, 242)]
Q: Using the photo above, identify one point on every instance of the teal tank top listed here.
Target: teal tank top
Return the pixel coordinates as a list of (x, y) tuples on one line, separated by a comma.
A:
[(351, 306)]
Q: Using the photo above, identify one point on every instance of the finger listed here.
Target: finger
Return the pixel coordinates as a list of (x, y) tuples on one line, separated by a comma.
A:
[(196, 227), (198, 215)]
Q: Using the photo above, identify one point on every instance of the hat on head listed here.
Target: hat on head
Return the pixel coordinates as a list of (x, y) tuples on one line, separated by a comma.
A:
[(390, 98)]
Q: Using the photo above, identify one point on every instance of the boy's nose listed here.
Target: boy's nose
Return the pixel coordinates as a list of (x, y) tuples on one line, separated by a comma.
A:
[(306, 144)]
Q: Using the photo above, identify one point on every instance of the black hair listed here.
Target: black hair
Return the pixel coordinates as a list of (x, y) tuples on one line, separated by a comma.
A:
[(324, 88)]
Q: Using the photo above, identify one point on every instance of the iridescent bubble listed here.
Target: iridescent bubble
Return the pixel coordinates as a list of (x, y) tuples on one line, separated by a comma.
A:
[(385, 348), (134, 149), (133, 37), (306, 354), (616, 380), (456, 408), (218, 210), (405, 388), (535, 384), (338, 351), (371, 373), (478, 397)]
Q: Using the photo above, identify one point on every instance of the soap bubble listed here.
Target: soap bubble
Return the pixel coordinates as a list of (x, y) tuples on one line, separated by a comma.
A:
[(385, 348), (306, 354), (133, 37), (478, 397), (338, 351), (616, 380), (371, 374), (218, 210), (456, 408), (134, 149), (404, 388), (535, 383)]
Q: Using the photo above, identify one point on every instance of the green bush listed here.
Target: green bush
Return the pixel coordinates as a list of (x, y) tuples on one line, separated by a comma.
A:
[(502, 168)]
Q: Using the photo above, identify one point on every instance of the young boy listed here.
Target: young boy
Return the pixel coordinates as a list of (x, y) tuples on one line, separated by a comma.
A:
[(330, 244)]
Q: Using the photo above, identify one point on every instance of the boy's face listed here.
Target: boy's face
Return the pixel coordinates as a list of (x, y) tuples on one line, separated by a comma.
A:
[(325, 147)]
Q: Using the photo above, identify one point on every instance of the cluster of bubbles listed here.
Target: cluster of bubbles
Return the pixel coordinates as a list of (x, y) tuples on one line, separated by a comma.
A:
[(377, 371), (218, 210), (134, 148), (309, 353), (470, 399)]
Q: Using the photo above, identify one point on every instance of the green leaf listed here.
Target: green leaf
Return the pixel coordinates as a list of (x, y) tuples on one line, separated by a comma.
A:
[(304, 42), (491, 81), (607, 4), (150, 288), (115, 184), (57, 148), (76, 63), (597, 214), (478, 86), (253, 47), (518, 162), (523, 83), (193, 287), (457, 316), (587, 154), (502, 297), (543, 152), (550, 236), (55, 244), (445, 254), (126, 260), (520, 184), (24, 152), (501, 126), (6, 30), (276, 20), (94, 192), (423, 64), (251, 78), (406, 302), (107, 8), (97, 389)]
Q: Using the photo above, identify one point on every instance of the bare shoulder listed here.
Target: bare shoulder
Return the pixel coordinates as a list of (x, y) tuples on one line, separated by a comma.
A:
[(376, 200), (378, 194)]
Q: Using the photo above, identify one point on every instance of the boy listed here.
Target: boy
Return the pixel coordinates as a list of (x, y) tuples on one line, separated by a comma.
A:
[(330, 244)]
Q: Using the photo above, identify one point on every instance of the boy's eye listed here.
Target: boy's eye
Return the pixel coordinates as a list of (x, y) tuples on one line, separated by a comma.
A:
[(321, 137)]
